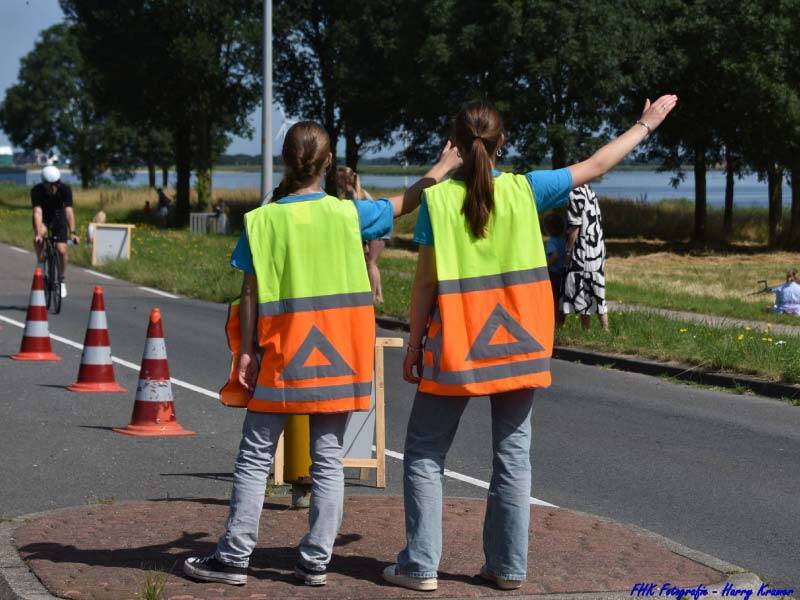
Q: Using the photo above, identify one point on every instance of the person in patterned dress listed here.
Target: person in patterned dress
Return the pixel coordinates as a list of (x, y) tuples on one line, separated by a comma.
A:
[(585, 282)]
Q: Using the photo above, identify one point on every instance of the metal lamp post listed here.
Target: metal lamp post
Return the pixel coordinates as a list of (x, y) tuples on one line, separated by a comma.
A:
[(266, 105)]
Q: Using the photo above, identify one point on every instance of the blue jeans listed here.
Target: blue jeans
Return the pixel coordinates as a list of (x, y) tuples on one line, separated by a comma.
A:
[(259, 436), (431, 429)]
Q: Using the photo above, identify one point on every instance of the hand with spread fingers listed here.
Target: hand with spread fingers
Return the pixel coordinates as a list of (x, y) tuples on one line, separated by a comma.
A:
[(655, 113)]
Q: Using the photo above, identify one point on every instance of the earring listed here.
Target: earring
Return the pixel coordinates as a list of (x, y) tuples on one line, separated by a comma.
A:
[(499, 153)]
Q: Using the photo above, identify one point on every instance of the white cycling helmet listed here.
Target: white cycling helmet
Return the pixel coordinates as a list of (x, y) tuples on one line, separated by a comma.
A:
[(50, 174)]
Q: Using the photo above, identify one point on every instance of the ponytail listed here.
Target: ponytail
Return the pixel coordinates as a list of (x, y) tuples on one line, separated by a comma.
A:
[(479, 202), (479, 134)]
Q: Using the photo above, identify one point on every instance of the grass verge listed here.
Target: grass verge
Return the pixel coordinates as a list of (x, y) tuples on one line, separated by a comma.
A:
[(734, 350)]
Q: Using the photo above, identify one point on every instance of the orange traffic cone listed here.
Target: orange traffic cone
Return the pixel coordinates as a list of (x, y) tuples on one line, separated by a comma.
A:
[(153, 408), (36, 339), (96, 373)]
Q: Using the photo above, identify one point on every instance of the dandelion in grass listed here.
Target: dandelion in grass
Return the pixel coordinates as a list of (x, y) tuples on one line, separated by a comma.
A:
[(683, 330), (740, 337)]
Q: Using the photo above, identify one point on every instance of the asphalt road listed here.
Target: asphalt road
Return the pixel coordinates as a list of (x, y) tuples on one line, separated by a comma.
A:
[(715, 471)]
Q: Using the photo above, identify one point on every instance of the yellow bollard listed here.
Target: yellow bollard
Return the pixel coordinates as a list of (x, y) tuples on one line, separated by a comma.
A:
[(297, 450)]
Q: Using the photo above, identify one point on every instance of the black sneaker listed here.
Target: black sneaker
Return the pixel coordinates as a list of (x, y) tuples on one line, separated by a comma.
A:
[(310, 577), (211, 569)]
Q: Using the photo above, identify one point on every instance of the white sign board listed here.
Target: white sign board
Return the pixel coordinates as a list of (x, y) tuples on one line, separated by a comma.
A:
[(359, 435), (112, 241)]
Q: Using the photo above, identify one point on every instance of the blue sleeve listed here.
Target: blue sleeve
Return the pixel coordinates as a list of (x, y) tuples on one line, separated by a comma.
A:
[(423, 230), (376, 218), (550, 188), (550, 246), (242, 258)]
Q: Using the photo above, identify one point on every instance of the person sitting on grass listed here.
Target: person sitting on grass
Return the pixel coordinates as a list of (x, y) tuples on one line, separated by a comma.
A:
[(787, 295)]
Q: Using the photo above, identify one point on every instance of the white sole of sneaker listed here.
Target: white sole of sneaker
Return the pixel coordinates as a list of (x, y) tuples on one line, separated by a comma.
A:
[(411, 583), (212, 576), (309, 579)]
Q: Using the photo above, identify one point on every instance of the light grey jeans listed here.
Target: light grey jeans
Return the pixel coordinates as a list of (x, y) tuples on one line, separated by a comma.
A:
[(259, 436), (431, 429)]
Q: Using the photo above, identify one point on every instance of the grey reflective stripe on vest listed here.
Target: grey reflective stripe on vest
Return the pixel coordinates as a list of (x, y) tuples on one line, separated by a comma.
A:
[(481, 374), (491, 282), (290, 305), (312, 394)]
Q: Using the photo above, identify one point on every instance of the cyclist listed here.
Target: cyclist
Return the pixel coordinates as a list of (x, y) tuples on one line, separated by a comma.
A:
[(52, 210)]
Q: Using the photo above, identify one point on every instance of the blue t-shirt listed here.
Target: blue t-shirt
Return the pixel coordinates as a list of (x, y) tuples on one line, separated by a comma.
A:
[(550, 189), (559, 246), (376, 218)]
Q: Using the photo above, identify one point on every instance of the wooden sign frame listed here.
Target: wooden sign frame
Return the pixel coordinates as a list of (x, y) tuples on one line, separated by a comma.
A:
[(365, 464)]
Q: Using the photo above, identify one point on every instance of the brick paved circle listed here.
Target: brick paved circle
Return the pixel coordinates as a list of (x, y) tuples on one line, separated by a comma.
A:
[(106, 552)]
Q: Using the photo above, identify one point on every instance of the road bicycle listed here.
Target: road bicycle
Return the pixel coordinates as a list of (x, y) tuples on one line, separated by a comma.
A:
[(52, 274)]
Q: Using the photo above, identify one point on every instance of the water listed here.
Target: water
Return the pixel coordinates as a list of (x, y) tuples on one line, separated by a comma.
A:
[(648, 186)]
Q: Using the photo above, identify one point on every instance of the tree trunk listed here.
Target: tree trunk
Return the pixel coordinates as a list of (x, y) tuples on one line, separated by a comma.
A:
[(351, 150), (728, 218), (559, 157), (330, 176), (775, 190), (85, 173), (151, 174), (164, 177), (700, 200), (204, 165), (183, 169), (795, 225), (203, 188)]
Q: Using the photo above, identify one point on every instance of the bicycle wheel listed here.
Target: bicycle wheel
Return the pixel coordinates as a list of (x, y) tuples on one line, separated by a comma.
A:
[(56, 280), (46, 273)]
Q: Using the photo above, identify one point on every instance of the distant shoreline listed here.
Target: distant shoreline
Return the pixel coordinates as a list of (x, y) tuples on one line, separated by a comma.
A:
[(389, 170)]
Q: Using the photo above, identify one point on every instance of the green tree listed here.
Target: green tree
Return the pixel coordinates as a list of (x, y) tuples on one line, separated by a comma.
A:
[(192, 66), (334, 64), (575, 60), (691, 39), (50, 107), (454, 52), (769, 106)]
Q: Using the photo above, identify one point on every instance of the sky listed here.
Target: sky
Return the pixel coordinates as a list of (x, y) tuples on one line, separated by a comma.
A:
[(20, 24)]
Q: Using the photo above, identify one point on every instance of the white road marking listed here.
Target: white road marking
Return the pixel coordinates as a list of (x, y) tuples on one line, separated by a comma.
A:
[(190, 386), (159, 292), (467, 479), (120, 361), (20, 250), (100, 275)]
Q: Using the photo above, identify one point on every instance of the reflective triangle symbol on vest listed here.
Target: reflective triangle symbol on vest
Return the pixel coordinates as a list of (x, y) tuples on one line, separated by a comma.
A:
[(524, 342), (298, 368)]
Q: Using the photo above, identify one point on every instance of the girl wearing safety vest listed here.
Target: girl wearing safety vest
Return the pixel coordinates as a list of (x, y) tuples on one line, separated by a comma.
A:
[(482, 302), (306, 302)]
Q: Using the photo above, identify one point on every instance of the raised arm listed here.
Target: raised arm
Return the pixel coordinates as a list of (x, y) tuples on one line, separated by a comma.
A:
[(448, 161), (607, 157)]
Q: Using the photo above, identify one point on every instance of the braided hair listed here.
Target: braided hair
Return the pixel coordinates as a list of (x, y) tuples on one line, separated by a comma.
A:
[(305, 151)]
